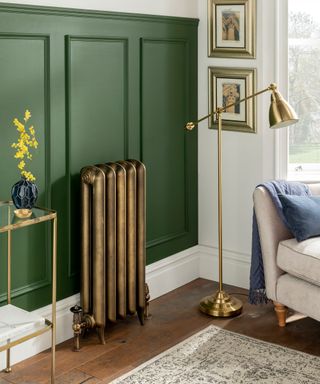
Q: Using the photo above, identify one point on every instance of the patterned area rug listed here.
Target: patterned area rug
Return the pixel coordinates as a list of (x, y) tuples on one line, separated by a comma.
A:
[(223, 357)]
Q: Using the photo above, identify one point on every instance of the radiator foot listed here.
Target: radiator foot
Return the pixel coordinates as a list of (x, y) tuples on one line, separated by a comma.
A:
[(100, 331), (141, 315)]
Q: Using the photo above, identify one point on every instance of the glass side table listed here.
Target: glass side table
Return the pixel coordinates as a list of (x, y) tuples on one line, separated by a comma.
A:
[(19, 325)]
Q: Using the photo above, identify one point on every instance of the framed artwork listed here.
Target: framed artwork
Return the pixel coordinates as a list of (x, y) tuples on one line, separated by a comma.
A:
[(231, 28), (228, 86)]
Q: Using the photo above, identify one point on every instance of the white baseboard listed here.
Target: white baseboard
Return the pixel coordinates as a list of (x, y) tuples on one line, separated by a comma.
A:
[(172, 272), (162, 277), (236, 267)]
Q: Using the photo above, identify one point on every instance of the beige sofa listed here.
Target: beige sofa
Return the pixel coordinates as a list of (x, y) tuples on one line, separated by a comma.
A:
[(292, 269)]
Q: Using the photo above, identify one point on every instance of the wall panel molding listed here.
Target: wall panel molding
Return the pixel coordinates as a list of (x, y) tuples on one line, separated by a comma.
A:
[(26, 289), (46, 41), (46, 278), (69, 40), (67, 12), (164, 239), (144, 42)]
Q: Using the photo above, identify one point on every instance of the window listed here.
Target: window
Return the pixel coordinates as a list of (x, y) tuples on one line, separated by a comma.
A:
[(304, 89)]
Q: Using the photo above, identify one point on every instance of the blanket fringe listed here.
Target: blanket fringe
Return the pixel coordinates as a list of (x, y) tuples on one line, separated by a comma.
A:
[(258, 296)]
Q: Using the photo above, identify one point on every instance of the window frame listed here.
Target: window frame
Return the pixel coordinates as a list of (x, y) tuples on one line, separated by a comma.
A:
[(281, 72), (282, 75)]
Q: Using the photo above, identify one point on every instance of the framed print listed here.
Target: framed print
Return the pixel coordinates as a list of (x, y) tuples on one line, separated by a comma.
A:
[(231, 28), (228, 86)]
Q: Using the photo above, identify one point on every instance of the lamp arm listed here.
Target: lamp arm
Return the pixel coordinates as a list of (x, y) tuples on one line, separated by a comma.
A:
[(190, 125), (223, 109)]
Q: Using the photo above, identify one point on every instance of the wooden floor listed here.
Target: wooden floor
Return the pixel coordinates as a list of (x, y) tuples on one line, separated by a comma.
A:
[(175, 317)]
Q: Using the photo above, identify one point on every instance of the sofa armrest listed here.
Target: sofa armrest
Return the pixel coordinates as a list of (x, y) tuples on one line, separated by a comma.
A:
[(314, 188), (271, 231)]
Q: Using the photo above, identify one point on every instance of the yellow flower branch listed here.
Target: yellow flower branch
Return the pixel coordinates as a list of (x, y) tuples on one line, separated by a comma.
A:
[(26, 142)]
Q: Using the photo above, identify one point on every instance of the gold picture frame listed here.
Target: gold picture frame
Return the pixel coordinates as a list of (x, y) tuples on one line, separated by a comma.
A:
[(232, 28), (226, 86)]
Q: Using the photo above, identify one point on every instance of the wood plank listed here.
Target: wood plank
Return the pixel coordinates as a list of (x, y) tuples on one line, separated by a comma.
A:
[(3, 381), (175, 317), (76, 377), (38, 371)]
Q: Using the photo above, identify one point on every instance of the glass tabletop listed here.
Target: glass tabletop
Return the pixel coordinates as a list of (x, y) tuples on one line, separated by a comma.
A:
[(18, 325), (9, 221)]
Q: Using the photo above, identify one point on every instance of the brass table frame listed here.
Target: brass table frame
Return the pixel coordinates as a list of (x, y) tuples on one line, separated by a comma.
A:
[(49, 325)]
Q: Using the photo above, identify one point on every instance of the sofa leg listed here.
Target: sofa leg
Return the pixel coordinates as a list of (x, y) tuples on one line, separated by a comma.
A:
[(281, 312)]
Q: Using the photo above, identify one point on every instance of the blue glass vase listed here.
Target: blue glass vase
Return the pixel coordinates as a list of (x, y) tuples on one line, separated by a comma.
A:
[(24, 194)]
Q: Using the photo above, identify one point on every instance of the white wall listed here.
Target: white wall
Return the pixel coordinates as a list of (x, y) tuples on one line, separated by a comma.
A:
[(183, 8), (248, 159)]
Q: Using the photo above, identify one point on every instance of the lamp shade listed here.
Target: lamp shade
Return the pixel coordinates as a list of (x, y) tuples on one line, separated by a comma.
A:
[(281, 114)]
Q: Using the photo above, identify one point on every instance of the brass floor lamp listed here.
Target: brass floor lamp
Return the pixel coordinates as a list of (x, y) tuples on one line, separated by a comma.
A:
[(281, 114)]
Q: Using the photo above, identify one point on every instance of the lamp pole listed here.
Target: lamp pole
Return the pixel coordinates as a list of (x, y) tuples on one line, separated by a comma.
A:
[(281, 114), (219, 118)]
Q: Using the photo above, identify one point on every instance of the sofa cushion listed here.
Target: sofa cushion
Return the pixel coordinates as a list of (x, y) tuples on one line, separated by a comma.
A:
[(302, 214), (300, 259)]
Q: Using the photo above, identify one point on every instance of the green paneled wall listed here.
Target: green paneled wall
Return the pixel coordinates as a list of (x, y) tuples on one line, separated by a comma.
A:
[(101, 87)]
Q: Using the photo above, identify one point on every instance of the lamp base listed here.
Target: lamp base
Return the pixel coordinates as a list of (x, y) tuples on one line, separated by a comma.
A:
[(221, 305)]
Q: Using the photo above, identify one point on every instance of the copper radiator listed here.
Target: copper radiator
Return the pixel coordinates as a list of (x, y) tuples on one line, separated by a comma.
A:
[(113, 251)]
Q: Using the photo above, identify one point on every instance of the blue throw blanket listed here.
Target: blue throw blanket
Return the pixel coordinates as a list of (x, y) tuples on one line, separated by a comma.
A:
[(257, 293)]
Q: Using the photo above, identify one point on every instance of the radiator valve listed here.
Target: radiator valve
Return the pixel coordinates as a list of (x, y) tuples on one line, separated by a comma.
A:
[(80, 323)]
